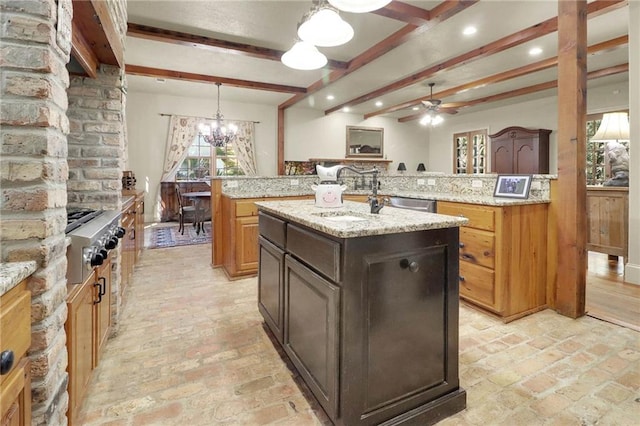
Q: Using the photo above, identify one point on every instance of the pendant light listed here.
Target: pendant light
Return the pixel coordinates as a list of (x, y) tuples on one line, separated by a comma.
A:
[(303, 56), (359, 6), (323, 26)]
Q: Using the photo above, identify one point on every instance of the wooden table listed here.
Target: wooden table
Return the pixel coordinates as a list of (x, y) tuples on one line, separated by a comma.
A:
[(198, 198)]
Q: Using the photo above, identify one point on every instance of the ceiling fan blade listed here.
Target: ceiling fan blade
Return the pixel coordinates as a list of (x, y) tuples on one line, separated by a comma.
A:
[(448, 110)]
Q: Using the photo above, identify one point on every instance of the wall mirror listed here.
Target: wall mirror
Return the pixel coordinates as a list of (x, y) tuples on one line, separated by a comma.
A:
[(364, 141)]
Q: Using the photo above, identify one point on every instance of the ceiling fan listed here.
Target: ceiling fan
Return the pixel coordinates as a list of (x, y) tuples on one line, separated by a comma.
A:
[(432, 104), (434, 107)]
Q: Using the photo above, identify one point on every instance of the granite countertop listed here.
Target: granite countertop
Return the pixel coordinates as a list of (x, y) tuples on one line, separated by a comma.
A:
[(12, 273), (355, 220), (466, 198)]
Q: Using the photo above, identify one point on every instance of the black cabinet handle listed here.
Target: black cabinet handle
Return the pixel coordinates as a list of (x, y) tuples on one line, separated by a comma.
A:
[(461, 244), (461, 278), (95, 302), (413, 266), (103, 287), (6, 361)]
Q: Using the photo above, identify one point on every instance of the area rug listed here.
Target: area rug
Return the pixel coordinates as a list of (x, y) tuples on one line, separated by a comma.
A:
[(168, 236)]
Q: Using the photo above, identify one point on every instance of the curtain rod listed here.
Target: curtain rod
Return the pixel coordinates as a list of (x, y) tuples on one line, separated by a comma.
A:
[(206, 118)]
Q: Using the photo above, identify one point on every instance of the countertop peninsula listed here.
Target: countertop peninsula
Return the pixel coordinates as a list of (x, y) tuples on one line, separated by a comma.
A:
[(12, 273), (354, 219)]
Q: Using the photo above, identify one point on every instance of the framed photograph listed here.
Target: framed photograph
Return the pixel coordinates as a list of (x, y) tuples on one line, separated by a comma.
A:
[(512, 186)]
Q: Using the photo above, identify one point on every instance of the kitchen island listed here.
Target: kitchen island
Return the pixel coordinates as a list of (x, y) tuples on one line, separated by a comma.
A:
[(366, 307)]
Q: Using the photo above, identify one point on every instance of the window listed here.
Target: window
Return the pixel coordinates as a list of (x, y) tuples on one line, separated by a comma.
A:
[(197, 164), (470, 152), (227, 162), (598, 168)]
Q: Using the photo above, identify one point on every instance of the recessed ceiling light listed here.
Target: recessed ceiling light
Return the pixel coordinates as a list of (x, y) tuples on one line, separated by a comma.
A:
[(535, 51), (345, 109), (470, 30), (330, 97), (415, 108), (378, 103)]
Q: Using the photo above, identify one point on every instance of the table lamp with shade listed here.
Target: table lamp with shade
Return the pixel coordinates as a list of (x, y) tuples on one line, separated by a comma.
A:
[(614, 128)]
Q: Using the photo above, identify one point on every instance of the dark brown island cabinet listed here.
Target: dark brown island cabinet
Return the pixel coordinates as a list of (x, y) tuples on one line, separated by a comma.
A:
[(370, 323)]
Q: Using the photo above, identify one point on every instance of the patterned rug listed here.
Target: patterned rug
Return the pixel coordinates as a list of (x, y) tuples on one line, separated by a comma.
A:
[(168, 236)]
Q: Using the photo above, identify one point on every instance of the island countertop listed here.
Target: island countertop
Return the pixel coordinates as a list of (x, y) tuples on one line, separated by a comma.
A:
[(13, 272), (354, 219)]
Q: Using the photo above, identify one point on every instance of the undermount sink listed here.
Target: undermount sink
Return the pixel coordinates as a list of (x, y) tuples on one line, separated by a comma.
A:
[(343, 216)]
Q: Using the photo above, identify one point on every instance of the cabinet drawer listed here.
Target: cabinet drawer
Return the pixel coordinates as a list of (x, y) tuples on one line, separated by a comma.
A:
[(272, 229), (477, 284), (477, 247), (322, 253), (246, 208), (480, 217), (15, 323)]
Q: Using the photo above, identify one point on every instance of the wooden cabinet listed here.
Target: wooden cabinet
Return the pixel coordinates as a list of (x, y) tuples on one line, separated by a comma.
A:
[(370, 323), (87, 328), (608, 220), (15, 339), (502, 257), (169, 205), (239, 230), (520, 151), (139, 225)]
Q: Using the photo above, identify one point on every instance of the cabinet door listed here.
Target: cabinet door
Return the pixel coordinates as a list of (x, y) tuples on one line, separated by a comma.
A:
[(247, 244), (15, 396), (502, 156), (79, 329), (271, 287), (311, 330), (102, 307), (404, 289), (525, 156)]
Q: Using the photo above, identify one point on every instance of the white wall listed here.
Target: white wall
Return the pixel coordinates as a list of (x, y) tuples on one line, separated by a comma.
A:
[(632, 268), (311, 134), (540, 113)]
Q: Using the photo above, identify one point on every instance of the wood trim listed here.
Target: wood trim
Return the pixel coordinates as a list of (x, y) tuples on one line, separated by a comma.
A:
[(552, 245), (523, 91), (281, 141), (512, 40), (101, 33), (439, 14), (571, 204), (202, 78), (217, 45), (81, 51), (404, 12), (503, 76)]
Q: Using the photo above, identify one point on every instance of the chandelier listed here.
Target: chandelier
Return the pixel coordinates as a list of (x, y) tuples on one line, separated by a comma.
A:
[(217, 134)]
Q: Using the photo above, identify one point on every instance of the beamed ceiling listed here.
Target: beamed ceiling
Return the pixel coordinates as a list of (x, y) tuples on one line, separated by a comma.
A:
[(184, 47)]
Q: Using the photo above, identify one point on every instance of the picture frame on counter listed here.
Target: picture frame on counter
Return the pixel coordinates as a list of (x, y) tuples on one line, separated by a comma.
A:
[(513, 186)]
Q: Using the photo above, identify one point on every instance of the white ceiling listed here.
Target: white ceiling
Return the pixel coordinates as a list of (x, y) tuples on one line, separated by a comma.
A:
[(272, 24)]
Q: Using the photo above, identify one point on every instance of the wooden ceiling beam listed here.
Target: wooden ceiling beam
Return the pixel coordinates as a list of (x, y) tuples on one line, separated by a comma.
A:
[(93, 20), (549, 26), (404, 12), (191, 40), (617, 69), (201, 78), (439, 14), (503, 76)]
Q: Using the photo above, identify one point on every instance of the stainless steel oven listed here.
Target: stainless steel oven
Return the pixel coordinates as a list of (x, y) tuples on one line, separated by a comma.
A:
[(93, 234)]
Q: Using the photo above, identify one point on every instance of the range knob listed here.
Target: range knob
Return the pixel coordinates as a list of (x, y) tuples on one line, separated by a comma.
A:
[(97, 259), (111, 243), (120, 231)]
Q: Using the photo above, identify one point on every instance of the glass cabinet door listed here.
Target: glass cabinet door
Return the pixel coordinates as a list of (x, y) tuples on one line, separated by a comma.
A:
[(470, 152)]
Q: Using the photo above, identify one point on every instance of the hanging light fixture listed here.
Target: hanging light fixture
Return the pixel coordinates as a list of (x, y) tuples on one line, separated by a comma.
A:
[(303, 56), (432, 118), (323, 26), (359, 6), (218, 134)]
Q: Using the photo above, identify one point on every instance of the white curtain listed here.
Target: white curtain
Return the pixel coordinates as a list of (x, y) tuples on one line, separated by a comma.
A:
[(182, 132), (244, 147)]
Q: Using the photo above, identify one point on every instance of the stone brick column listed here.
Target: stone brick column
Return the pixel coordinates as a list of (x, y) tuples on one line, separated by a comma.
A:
[(97, 150), (35, 43)]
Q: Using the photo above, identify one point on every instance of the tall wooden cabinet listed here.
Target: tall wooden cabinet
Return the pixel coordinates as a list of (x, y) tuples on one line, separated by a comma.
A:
[(15, 339), (520, 151), (503, 257)]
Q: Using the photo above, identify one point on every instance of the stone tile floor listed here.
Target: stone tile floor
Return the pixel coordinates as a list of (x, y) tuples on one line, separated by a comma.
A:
[(191, 350)]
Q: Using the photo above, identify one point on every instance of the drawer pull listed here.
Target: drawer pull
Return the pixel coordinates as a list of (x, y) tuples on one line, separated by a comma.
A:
[(413, 266), (461, 245), (461, 278), (6, 361)]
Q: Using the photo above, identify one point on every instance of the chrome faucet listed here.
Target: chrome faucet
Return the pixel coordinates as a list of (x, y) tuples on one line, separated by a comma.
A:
[(374, 202)]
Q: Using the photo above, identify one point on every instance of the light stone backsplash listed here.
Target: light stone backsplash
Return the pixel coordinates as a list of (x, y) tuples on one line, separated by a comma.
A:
[(427, 183)]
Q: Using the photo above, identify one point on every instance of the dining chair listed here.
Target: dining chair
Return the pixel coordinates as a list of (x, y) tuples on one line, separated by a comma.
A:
[(184, 211)]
